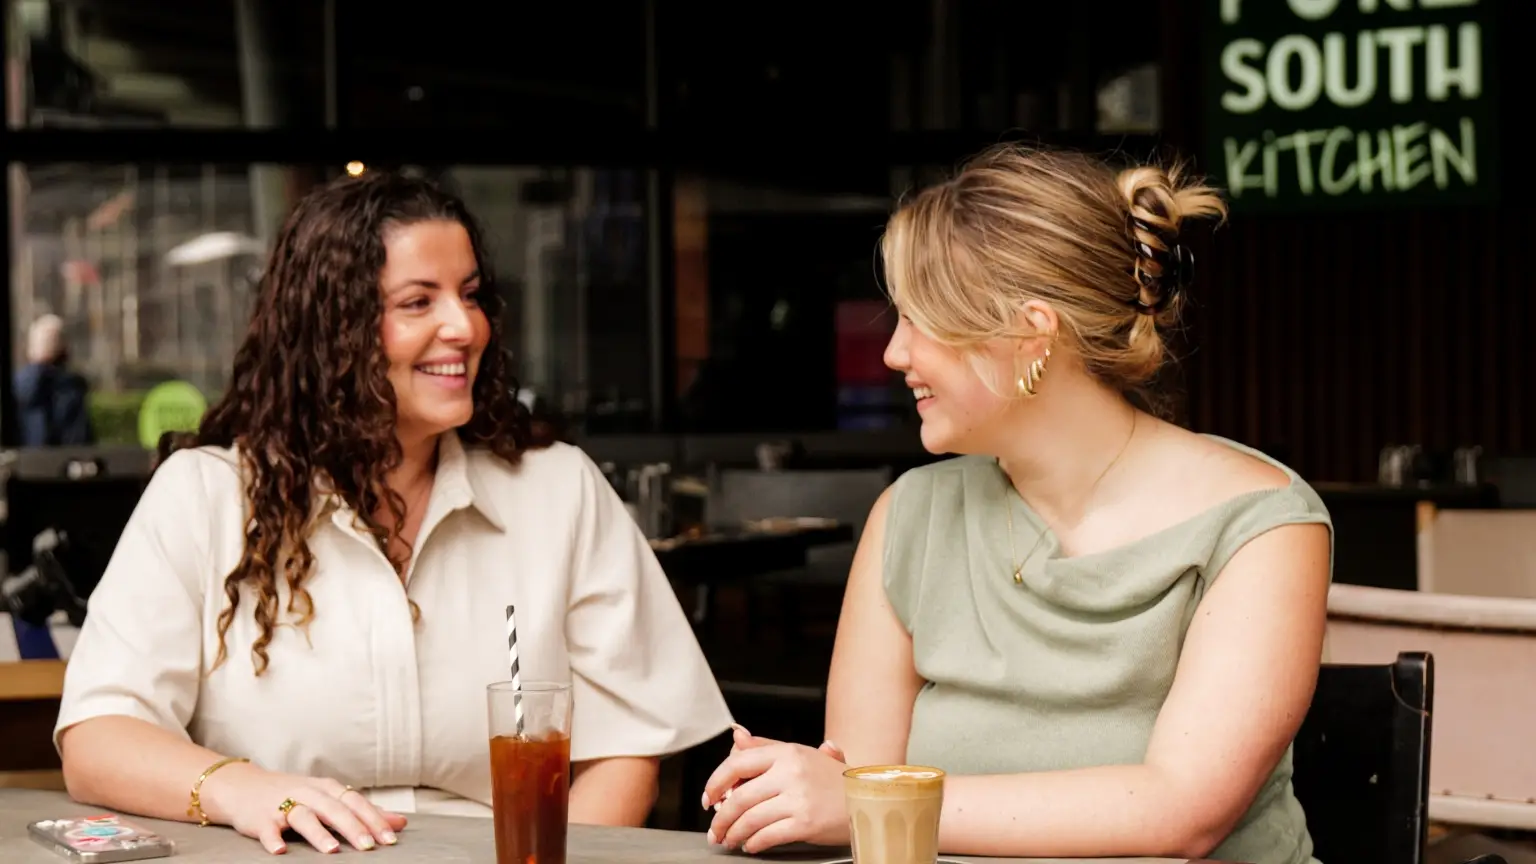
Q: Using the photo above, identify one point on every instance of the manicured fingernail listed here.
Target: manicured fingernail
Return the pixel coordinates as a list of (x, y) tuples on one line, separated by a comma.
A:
[(742, 729), (280, 849), (711, 837), (704, 800), (365, 843), (389, 838), (334, 847)]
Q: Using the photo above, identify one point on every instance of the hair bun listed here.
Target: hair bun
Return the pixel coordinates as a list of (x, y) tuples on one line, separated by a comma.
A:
[(1157, 203)]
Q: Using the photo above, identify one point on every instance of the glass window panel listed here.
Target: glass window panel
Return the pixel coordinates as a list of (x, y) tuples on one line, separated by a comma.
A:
[(104, 64), (782, 323), (152, 270), (977, 65), (571, 247), (985, 65), (318, 63), (553, 66)]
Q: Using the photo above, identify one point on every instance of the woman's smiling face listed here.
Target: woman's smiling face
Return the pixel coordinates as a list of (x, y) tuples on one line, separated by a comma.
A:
[(434, 331)]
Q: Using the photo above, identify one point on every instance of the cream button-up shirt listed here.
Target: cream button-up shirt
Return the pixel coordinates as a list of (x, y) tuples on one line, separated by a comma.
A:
[(364, 695)]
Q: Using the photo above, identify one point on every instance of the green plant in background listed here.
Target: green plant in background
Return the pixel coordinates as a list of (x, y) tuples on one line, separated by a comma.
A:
[(138, 417), (115, 416)]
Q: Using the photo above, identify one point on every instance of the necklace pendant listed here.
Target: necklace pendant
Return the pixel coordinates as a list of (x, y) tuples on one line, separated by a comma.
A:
[(1018, 575)]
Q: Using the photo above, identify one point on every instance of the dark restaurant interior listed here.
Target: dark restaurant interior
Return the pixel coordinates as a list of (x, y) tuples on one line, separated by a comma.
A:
[(684, 203)]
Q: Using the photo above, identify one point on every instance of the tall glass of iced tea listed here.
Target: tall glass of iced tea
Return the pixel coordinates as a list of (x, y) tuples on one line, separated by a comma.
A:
[(530, 770)]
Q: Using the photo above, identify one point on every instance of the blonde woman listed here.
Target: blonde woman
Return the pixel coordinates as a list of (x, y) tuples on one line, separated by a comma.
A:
[(1104, 627)]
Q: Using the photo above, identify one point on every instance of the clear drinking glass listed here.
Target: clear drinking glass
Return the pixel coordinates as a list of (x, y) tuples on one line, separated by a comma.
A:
[(893, 813), (530, 770)]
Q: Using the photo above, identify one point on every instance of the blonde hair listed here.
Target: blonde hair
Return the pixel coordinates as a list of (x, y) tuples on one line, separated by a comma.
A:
[(1016, 224), (45, 339)]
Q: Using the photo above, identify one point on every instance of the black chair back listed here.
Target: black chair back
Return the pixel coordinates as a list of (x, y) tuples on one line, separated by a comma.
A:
[(1362, 762), (91, 513)]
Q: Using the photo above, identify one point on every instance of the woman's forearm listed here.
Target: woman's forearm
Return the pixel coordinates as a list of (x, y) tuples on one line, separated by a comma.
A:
[(617, 791), (126, 764), (1105, 812)]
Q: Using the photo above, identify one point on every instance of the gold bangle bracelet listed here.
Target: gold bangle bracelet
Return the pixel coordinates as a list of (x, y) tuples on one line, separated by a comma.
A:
[(195, 809)]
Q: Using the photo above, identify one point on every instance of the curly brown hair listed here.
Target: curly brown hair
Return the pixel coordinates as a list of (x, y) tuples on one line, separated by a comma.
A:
[(309, 404)]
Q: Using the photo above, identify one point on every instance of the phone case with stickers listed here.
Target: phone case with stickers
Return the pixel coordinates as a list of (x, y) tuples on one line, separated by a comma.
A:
[(100, 839)]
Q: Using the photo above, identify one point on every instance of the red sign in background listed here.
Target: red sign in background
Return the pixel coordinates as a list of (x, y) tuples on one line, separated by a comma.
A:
[(863, 328)]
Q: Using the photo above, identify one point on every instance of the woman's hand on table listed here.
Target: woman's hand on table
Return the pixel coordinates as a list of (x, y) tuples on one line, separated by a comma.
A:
[(768, 793), (247, 799)]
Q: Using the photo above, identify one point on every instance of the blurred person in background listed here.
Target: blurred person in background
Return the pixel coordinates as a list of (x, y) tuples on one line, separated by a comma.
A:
[(304, 612), (1106, 629), (51, 399)]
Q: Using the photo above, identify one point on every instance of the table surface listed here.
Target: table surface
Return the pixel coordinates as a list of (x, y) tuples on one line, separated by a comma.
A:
[(437, 839), (814, 532), (736, 555)]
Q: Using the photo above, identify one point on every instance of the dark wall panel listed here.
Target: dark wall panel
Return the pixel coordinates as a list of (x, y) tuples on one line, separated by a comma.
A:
[(1330, 335)]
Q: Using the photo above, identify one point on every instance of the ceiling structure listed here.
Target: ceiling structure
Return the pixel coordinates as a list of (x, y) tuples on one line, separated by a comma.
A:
[(585, 62)]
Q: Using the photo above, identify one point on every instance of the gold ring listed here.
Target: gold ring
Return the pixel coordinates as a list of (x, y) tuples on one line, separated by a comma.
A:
[(287, 805)]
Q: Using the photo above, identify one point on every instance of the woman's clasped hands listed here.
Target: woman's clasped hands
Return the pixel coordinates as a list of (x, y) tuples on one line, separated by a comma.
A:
[(767, 793), (255, 803)]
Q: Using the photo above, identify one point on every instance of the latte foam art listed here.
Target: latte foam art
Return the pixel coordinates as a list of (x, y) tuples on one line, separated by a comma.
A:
[(898, 774)]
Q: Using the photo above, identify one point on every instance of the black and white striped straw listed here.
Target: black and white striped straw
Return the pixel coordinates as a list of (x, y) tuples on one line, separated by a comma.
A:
[(517, 681)]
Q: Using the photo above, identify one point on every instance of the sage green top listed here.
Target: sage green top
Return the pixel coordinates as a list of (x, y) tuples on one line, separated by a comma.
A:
[(1070, 668)]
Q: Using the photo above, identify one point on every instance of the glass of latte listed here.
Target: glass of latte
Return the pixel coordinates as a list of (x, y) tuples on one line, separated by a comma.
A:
[(893, 813)]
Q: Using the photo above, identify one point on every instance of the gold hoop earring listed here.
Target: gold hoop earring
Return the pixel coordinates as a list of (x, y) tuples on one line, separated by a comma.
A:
[(1029, 382)]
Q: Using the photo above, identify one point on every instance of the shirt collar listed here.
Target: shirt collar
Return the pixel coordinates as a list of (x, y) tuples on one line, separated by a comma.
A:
[(459, 485), (455, 486)]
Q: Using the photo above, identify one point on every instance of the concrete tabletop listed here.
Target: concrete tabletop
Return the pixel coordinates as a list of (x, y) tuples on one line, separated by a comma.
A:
[(437, 839)]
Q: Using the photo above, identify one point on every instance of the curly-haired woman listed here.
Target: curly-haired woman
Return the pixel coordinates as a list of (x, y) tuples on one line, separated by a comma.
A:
[(316, 581)]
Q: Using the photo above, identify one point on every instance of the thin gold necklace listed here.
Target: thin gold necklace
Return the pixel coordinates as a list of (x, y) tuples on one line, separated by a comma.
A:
[(1018, 563)]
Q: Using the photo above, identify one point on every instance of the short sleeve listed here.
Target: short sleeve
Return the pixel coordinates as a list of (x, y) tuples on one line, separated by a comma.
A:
[(640, 683), (1259, 513), (901, 569), (139, 653)]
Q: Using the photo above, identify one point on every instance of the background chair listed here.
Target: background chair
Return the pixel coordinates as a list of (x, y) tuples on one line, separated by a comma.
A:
[(1362, 762), (1483, 772)]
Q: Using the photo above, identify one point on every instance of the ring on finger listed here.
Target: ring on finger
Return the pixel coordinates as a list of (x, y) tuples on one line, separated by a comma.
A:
[(308, 823), (287, 806)]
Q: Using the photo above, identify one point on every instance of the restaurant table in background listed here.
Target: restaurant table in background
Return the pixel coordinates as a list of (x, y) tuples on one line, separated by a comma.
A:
[(436, 839), (1376, 527), (738, 553), (696, 563)]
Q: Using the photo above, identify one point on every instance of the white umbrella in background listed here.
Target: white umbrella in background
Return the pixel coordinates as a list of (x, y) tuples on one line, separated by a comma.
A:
[(214, 246), (227, 251)]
